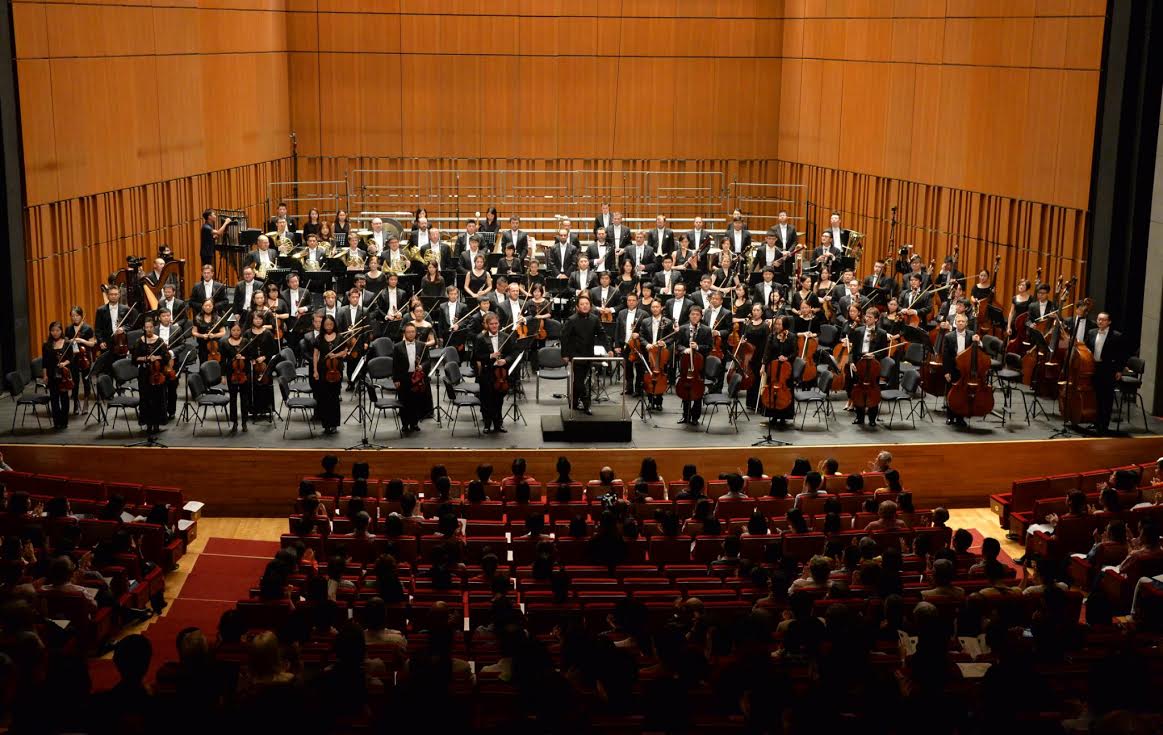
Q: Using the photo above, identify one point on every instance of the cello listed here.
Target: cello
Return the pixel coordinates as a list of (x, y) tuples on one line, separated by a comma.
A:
[(806, 346), (971, 395), (933, 371), (690, 386), (740, 359), (865, 393), (776, 394), (841, 354), (654, 381)]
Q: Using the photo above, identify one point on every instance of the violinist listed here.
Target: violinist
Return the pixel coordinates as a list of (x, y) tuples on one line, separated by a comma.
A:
[(693, 337), (236, 376), (537, 309), (258, 307), (425, 332), (279, 312), (298, 302), (780, 347), (914, 301), (718, 318), (949, 273), (605, 298), (852, 297), (388, 308), (826, 287), (113, 318), (879, 280), (171, 334), (583, 279), (493, 350), (328, 379), (741, 302), (207, 328), (580, 334), (534, 276), (82, 339), (626, 326), (55, 358), (702, 297), (651, 332), (601, 253), (646, 296), (852, 320), (1110, 357), (262, 350), (756, 331), (1020, 304), (866, 339), (511, 309), (665, 280), (510, 264), (409, 356), (685, 255), (761, 292), (1042, 305), (208, 288), (147, 351), (956, 342)]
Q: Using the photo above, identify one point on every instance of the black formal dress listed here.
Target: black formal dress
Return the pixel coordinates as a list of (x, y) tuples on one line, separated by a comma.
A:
[(326, 391), (239, 391), (152, 397), (58, 399)]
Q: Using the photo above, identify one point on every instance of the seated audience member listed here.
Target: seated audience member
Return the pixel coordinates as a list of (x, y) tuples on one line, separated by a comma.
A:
[(887, 520), (944, 572)]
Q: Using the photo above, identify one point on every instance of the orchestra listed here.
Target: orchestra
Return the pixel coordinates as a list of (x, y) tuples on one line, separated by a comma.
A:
[(679, 310)]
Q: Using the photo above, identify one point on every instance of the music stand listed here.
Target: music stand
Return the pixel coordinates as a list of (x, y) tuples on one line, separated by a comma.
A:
[(1037, 342), (360, 390), (438, 409), (515, 408), (356, 381)]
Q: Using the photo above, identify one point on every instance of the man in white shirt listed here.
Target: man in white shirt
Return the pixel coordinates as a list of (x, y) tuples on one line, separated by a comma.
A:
[(379, 237), (784, 231), (602, 255), (422, 236), (839, 234), (408, 355), (245, 290), (604, 219), (661, 238), (698, 234), (1110, 358), (956, 342), (665, 279)]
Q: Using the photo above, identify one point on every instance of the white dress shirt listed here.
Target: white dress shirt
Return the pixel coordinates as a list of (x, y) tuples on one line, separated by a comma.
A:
[(410, 350), (1099, 341)]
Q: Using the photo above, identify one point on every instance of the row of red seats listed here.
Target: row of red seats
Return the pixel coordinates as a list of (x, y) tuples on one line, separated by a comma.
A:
[(1025, 492)]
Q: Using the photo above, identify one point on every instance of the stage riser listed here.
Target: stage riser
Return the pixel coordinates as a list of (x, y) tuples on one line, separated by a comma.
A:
[(262, 482), (607, 424)]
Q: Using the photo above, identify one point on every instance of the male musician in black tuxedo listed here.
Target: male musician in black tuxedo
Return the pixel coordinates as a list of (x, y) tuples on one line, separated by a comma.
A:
[(827, 253), (510, 306), (643, 257), (604, 297), (1041, 305), (262, 257), (155, 275), (561, 256), (661, 238), (492, 350), (678, 307), (915, 300), (949, 272), (884, 284), (298, 301), (208, 288), (570, 235), (956, 342), (770, 253), (245, 290), (761, 292), (445, 315), (700, 238), (580, 334), (467, 258), (407, 355), (785, 232), (462, 240), (317, 252), (281, 213), (171, 303), (1110, 357), (353, 314), (112, 318), (1080, 324), (867, 339), (602, 254), (702, 295), (652, 330), (665, 280), (718, 317), (697, 337), (514, 236), (738, 236), (604, 219), (839, 235), (626, 322), (172, 335), (582, 279), (445, 257), (211, 232), (619, 234), (854, 296)]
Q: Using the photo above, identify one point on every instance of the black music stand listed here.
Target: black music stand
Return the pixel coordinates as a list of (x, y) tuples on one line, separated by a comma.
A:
[(514, 412), (1037, 342), (359, 377)]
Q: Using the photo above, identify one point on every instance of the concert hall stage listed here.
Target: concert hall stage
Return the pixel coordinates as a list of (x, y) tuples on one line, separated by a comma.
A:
[(256, 473)]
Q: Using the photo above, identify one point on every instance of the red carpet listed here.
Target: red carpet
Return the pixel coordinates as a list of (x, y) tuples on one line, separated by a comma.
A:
[(221, 575)]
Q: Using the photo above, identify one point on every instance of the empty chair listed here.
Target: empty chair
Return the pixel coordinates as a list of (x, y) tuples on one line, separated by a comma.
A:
[(303, 404), (729, 399), (550, 366), (817, 395), (16, 386), (211, 373), (458, 401), (379, 371), (1128, 391), (381, 347), (829, 335), (125, 375), (906, 393), (204, 401), (108, 400)]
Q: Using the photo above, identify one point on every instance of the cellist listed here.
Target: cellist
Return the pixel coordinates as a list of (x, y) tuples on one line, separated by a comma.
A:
[(407, 357), (955, 343), (868, 338), (780, 347), (1110, 357), (693, 337), (651, 331)]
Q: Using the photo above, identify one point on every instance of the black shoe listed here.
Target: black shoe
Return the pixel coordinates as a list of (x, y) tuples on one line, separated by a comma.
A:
[(872, 423), (244, 428), (233, 430), (858, 422), (416, 427), (683, 420), (500, 430), (961, 422)]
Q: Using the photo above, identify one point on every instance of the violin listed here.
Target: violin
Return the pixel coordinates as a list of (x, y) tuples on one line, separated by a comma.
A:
[(690, 385), (501, 372), (419, 378), (212, 351), (971, 395), (333, 362), (120, 341), (64, 375), (238, 374)]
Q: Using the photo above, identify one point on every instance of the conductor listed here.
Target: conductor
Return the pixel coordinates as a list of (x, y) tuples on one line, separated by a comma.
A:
[(581, 333)]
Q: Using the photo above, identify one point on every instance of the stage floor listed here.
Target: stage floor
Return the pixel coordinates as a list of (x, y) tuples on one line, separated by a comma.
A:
[(660, 430)]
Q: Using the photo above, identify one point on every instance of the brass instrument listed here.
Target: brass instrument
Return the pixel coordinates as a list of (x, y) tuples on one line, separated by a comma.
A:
[(389, 267), (284, 245), (854, 247), (353, 261)]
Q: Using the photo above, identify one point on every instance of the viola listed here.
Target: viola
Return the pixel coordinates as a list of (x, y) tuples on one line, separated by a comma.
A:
[(501, 378), (806, 347), (121, 344), (777, 393), (717, 345), (262, 373), (64, 375), (866, 382), (971, 395), (333, 369), (690, 385), (418, 378), (83, 359), (157, 373)]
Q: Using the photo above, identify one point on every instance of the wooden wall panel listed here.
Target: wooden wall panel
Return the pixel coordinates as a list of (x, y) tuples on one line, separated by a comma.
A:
[(934, 474)]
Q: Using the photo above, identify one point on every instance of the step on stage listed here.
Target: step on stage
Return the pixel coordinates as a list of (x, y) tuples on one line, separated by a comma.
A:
[(606, 424)]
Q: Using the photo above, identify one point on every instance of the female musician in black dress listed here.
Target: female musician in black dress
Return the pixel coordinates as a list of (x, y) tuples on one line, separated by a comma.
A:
[(258, 308), (328, 383), (741, 302), (892, 321), (490, 222), (726, 275), (509, 262), (341, 226), (376, 278), (278, 311), (755, 330), (1020, 304), (313, 223), (627, 282), (150, 349), (237, 375), (55, 360), (83, 342), (804, 293), (206, 329), (477, 282), (781, 347), (432, 283), (261, 351), (425, 333)]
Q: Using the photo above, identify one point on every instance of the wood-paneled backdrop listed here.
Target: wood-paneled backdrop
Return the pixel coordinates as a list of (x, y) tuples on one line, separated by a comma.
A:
[(974, 117)]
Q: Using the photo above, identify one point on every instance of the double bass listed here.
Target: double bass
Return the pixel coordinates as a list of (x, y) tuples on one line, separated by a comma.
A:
[(933, 371), (1076, 398), (690, 386), (971, 395), (986, 325)]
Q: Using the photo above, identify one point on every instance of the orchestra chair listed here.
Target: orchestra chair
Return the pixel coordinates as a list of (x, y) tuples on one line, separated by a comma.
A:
[(205, 400), (712, 374), (1128, 391), (458, 400), (550, 365), (829, 335), (381, 347), (301, 403), (288, 355), (16, 386), (906, 393), (35, 369), (914, 357), (730, 399), (553, 331), (125, 376), (817, 395), (107, 400), (211, 372), (294, 384), (379, 372), (1009, 377)]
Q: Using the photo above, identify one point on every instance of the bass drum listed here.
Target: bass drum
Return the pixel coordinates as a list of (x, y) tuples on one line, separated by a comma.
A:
[(393, 228)]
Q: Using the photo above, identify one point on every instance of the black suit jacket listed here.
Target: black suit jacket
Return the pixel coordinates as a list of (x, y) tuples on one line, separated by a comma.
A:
[(464, 261), (648, 258), (613, 298), (1114, 351), (198, 295), (624, 238), (949, 351), (178, 311), (521, 245), (665, 329), (599, 222), (440, 317), (1032, 309), (730, 235), (659, 281), (611, 262), (240, 294), (400, 361), (793, 237), (701, 337), (504, 312), (580, 334), (923, 303), (725, 320), (555, 264), (705, 238), (273, 224), (103, 326), (482, 353), (575, 280), (344, 321), (621, 336), (879, 342), (757, 296), (665, 244), (684, 313), (252, 258), (447, 259)]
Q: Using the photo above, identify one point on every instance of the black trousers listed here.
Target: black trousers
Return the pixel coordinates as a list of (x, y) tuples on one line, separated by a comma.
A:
[(1104, 394), (411, 404), (58, 401), (581, 393), (239, 393), (692, 410), (171, 397), (634, 372), (492, 404)]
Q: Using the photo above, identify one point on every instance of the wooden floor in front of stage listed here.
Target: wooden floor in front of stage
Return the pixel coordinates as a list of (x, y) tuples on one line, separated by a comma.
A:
[(660, 429)]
